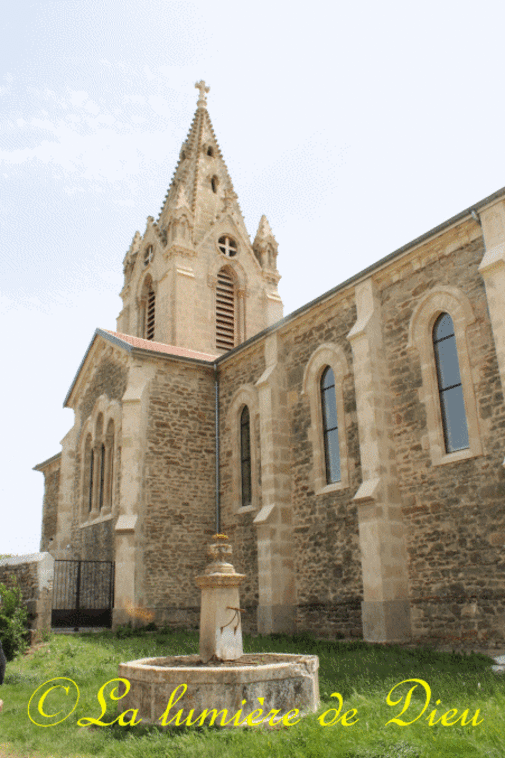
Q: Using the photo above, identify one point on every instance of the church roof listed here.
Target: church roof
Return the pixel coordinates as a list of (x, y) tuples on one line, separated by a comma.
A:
[(160, 347), (47, 462), (139, 345)]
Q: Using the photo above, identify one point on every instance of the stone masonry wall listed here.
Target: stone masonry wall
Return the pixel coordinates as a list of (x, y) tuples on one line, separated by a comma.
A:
[(327, 557), (243, 369), (110, 379), (454, 513), (327, 554), (97, 541), (178, 508), (50, 505)]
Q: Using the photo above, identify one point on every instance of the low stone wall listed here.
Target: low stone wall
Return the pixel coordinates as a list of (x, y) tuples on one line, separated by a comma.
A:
[(34, 576)]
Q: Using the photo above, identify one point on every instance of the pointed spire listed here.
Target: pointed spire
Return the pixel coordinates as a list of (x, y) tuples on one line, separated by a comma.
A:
[(203, 176)]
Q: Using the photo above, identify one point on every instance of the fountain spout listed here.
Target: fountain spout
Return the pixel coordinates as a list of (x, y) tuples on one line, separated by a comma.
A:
[(220, 615)]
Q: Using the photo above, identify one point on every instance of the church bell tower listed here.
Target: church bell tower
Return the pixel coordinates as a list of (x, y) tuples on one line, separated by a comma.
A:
[(193, 279)]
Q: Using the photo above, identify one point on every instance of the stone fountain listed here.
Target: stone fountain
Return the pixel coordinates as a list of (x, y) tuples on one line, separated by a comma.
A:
[(221, 686)]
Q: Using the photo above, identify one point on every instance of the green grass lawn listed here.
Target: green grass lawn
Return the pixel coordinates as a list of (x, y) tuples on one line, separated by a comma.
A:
[(363, 674)]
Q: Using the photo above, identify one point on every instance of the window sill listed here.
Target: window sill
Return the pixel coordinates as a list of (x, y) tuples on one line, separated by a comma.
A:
[(458, 455), (246, 508), (335, 487), (97, 520)]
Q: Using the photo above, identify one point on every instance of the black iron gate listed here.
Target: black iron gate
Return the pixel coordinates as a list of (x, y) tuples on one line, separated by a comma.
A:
[(83, 593)]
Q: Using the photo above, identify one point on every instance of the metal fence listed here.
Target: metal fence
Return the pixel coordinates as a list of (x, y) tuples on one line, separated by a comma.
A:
[(83, 593)]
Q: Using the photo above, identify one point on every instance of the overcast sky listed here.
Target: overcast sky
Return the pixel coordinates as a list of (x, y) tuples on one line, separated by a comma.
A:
[(355, 127)]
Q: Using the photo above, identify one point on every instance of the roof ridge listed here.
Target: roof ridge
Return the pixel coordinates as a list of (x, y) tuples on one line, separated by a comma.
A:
[(131, 340)]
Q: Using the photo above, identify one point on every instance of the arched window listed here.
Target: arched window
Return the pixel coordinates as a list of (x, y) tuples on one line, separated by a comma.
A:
[(242, 423), (245, 456), (102, 474), (109, 464), (96, 468), (225, 310), (91, 478), (450, 388), (330, 426), (88, 473), (100, 453), (326, 381), (438, 334)]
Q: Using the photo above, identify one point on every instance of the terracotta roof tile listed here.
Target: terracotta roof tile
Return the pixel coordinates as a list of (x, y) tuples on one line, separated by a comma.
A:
[(160, 347)]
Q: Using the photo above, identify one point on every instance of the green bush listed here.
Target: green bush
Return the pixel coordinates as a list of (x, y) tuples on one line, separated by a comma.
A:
[(14, 631)]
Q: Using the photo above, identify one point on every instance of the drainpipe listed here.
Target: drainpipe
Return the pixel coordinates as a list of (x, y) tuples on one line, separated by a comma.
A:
[(218, 505)]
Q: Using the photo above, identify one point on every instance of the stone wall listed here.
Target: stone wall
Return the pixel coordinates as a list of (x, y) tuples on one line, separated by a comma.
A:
[(326, 545), (33, 574), (454, 513), (243, 370), (51, 471), (453, 509), (97, 541), (326, 550), (178, 514), (110, 380)]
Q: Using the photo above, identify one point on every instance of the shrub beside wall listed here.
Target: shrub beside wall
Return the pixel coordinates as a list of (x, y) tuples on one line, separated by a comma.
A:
[(33, 574), (14, 632)]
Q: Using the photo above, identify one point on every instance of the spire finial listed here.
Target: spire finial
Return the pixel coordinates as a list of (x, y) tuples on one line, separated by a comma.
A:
[(202, 100)]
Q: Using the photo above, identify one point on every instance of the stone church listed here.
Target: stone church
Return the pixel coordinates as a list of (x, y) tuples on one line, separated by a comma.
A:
[(352, 451)]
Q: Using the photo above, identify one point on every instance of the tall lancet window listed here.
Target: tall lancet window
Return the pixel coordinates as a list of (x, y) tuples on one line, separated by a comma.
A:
[(88, 472), (109, 464), (102, 475), (225, 310), (245, 456), (330, 426), (452, 404)]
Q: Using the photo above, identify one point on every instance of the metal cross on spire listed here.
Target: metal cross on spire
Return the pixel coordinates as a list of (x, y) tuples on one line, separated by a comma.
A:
[(202, 100)]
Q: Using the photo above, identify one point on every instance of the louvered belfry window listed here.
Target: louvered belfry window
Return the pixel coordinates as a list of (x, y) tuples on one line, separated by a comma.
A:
[(225, 311), (150, 313)]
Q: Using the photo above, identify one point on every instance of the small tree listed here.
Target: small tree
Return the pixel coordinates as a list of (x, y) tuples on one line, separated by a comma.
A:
[(14, 631)]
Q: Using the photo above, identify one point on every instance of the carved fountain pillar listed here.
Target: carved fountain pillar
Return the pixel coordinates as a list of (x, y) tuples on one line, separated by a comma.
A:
[(220, 625)]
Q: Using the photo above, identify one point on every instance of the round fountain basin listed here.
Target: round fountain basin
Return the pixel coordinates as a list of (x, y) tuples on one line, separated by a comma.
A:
[(266, 681)]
